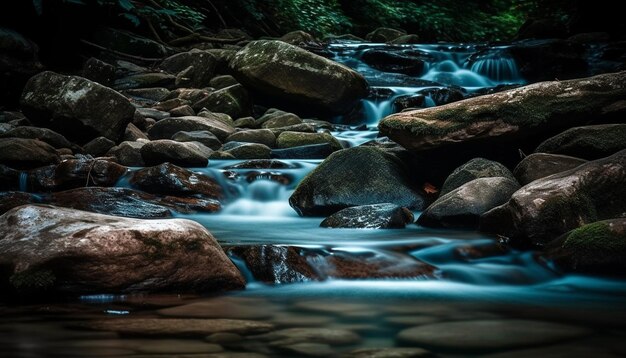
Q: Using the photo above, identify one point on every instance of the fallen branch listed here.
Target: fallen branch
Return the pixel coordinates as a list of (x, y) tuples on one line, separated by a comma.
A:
[(195, 37)]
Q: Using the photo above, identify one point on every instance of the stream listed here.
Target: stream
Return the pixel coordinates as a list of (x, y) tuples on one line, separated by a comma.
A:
[(476, 282)]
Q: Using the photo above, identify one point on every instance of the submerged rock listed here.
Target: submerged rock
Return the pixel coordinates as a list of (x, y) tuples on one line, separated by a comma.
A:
[(79, 109), (288, 73), (275, 264), (547, 208), (598, 247), (110, 254), (489, 335), (173, 327), (353, 177), (507, 119), (463, 206), (589, 142), (541, 165), (377, 216), (313, 151)]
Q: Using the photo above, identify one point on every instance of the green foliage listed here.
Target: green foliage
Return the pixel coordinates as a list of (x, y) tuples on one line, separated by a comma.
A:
[(135, 12)]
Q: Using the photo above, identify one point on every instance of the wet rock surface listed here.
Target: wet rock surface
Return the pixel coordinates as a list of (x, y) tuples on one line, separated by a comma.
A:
[(110, 253)]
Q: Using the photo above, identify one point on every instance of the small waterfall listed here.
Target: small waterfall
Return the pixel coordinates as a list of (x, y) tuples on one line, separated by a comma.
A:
[(23, 183), (262, 198), (500, 69), (255, 191)]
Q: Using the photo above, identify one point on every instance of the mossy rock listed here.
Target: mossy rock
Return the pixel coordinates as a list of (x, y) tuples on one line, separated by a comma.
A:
[(353, 177), (547, 208), (510, 117), (599, 247), (589, 142), (290, 74), (474, 169)]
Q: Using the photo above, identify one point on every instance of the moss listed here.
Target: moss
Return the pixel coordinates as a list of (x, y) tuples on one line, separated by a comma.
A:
[(33, 279), (595, 237), (560, 214)]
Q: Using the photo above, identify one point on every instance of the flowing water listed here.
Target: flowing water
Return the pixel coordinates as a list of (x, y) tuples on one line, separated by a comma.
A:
[(476, 281)]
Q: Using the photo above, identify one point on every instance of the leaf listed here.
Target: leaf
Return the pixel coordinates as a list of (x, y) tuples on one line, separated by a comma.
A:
[(132, 18), (75, 2), (126, 4), (38, 4)]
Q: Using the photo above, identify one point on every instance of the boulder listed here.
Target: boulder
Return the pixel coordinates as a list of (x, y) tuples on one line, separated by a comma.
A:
[(298, 139), (407, 61), (377, 216), (79, 109), (219, 82), (185, 154), (547, 208), (75, 173), (247, 150), (598, 247), (474, 169), (288, 73), (202, 67), (463, 206), (168, 179), (128, 153), (182, 111), (133, 133), (384, 34), (166, 128), (110, 254), (589, 142), (511, 119), (541, 165), (275, 118), (99, 71), (261, 136), (26, 153), (205, 137), (43, 134), (129, 203), (233, 100), (98, 147), (333, 186)]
